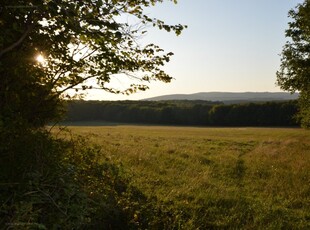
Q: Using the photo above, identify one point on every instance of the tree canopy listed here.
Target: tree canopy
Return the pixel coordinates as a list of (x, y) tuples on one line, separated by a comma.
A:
[(294, 72), (84, 44), (47, 48), (189, 113)]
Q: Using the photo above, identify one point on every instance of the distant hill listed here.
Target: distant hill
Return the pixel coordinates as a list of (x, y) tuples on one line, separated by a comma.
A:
[(228, 97)]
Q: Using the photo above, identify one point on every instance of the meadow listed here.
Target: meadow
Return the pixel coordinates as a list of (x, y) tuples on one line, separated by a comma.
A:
[(213, 178)]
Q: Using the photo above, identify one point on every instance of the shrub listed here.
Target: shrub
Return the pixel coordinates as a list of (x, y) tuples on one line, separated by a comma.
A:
[(51, 183)]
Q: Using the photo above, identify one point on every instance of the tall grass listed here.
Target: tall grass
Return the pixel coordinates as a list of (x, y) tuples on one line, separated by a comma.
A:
[(216, 177)]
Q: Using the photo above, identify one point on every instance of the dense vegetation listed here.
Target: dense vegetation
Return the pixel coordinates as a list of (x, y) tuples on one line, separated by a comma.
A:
[(56, 183), (200, 113), (294, 72), (215, 178), (49, 50)]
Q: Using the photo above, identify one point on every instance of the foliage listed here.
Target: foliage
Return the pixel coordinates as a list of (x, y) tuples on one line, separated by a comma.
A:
[(216, 178), (49, 183), (201, 113), (255, 114), (82, 40), (85, 44), (68, 184), (294, 73), (147, 112), (24, 97)]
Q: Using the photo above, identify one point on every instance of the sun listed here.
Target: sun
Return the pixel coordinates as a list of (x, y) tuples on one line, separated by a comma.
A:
[(40, 58)]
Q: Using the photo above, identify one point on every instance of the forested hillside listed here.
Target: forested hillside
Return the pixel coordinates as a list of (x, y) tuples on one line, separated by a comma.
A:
[(230, 97), (202, 113)]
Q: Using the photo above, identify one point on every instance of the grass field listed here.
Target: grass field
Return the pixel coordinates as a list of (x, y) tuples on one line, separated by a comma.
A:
[(249, 178)]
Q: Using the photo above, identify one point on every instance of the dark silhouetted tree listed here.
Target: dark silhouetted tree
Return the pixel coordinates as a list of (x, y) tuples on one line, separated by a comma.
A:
[(82, 45), (294, 73)]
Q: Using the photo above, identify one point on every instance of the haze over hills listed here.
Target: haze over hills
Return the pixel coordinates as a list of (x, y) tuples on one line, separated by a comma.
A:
[(229, 97)]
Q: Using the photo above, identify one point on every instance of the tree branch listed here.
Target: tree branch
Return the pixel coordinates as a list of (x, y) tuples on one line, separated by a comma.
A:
[(17, 42)]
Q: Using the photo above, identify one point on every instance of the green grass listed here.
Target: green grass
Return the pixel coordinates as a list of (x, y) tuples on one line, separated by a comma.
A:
[(216, 177)]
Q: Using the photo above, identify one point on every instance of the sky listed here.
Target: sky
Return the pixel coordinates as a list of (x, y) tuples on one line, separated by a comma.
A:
[(229, 46)]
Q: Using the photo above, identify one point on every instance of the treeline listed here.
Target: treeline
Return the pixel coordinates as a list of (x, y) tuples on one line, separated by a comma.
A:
[(202, 113), (255, 114)]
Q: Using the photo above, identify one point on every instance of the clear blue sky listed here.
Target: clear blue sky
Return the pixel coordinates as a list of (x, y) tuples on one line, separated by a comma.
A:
[(229, 46)]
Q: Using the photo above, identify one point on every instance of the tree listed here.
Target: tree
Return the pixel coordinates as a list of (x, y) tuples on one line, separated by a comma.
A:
[(294, 72), (51, 183), (85, 44)]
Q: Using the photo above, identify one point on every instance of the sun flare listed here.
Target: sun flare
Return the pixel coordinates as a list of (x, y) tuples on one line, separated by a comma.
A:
[(40, 58)]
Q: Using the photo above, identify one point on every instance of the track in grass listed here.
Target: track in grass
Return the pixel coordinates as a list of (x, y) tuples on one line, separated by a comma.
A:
[(219, 177)]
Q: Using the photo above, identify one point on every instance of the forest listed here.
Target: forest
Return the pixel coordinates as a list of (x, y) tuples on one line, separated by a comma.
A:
[(185, 112)]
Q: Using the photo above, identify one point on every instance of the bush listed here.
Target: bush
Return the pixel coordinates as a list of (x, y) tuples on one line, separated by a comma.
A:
[(51, 183)]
